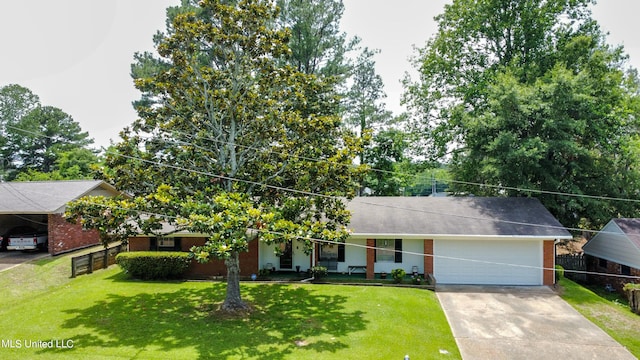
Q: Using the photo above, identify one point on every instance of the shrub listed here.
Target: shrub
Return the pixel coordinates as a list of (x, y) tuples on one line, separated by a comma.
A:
[(416, 280), (318, 272), (559, 272), (398, 275), (153, 265), (264, 273)]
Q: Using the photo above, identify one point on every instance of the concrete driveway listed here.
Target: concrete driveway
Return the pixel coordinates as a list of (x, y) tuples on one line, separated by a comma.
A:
[(11, 259), (490, 322)]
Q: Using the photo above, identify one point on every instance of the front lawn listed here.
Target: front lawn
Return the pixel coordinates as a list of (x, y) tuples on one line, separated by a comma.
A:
[(611, 315), (105, 315)]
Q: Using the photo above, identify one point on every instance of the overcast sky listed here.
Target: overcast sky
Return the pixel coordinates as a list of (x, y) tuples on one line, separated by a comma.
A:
[(76, 54)]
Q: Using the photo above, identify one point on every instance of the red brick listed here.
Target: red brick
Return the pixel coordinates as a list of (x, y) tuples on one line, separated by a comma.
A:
[(65, 236)]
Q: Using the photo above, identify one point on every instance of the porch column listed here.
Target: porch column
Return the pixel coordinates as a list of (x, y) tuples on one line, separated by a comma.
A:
[(371, 258), (428, 258), (548, 262)]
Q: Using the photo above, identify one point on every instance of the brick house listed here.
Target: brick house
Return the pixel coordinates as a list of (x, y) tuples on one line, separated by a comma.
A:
[(460, 240), (40, 205), (614, 250)]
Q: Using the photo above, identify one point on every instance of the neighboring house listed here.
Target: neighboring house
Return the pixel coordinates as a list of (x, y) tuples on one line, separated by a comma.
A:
[(40, 205), (614, 250), (460, 240)]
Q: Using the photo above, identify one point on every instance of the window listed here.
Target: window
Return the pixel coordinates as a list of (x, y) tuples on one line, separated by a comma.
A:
[(602, 263), (625, 270), (332, 252), (389, 250), (164, 244)]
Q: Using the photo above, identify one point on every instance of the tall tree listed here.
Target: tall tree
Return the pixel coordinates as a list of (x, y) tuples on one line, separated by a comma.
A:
[(385, 155), (44, 133), (231, 122), (317, 45), (15, 102), (363, 104), (527, 94)]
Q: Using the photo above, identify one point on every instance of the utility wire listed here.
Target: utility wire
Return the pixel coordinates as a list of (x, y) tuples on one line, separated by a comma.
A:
[(500, 187), (308, 193)]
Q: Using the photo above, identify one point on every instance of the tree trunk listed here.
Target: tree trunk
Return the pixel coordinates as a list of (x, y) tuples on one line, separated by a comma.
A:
[(233, 302)]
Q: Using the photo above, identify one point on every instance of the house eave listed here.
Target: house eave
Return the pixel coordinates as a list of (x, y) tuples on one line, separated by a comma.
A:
[(457, 236)]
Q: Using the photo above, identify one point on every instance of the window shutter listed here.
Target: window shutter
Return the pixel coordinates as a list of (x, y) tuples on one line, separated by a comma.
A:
[(177, 244), (340, 252), (398, 251), (153, 244)]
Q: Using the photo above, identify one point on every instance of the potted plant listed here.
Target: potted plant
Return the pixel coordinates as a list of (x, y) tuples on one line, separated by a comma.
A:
[(383, 275)]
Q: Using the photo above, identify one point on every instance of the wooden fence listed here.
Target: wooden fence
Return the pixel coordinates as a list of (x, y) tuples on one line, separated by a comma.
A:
[(86, 264), (575, 262)]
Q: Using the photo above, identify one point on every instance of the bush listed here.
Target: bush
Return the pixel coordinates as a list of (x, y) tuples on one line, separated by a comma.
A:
[(559, 272), (153, 265), (398, 275), (318, 272), (416, 280)]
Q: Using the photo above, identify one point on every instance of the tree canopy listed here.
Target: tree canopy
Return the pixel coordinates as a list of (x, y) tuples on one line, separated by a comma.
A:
[(34, 137), (229, 132), (528, 95)]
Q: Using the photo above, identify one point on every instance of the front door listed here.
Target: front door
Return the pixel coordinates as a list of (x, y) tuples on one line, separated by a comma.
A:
[(286, 258)]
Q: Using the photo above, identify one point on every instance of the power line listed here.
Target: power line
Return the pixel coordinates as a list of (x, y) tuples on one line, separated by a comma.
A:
[(500, 187), (308, 193)]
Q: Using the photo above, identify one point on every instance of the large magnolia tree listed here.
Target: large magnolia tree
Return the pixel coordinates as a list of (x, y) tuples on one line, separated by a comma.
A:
[(245, 143)]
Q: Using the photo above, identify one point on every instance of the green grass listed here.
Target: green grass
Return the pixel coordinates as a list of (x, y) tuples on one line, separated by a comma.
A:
[(608, 311), (108, 316)]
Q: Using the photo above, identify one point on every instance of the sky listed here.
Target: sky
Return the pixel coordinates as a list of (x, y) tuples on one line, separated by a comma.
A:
[(76, 54)]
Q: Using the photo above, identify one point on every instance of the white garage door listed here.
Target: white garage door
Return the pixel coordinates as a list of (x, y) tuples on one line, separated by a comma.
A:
[(495, 262)]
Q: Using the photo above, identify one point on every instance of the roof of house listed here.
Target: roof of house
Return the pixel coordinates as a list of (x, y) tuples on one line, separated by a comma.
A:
[(618, 241), (46, 197), (454, 216)]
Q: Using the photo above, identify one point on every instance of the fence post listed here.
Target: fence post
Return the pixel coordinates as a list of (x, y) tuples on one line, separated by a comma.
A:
[(73, 267), (90, 270)]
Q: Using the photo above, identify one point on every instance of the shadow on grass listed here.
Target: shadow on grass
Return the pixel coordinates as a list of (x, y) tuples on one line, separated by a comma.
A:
[(284, 318)]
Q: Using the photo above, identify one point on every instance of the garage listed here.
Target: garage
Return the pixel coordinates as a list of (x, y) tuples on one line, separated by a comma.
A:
[(488, 262)]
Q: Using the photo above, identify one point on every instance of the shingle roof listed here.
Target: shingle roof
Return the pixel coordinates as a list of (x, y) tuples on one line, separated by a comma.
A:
[(618, 241), (631, 227), (463, 216), (44, 197)]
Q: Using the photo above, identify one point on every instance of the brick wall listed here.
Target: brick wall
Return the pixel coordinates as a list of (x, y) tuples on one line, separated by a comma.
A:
[(371, 258), (548, 262), (428, 260), (64, 236), (593, 265)]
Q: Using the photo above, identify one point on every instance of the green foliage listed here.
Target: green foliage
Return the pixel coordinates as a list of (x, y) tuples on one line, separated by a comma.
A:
[(398, 275), (527, 95), (319, 272), (417, 280), (152, 265), (385, 155), (33, 138), (230, 125), (559, 272), (317, 45), (264, 273), (631, 286)]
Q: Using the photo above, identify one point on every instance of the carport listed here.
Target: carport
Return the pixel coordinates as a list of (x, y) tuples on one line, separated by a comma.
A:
[(40, 205)]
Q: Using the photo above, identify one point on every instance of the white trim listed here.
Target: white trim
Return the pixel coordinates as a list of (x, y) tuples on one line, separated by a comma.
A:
[(457, 237)]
